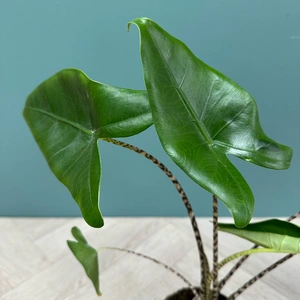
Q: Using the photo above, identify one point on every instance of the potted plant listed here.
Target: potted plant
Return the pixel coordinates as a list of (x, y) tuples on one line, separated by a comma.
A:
[(200, 116)]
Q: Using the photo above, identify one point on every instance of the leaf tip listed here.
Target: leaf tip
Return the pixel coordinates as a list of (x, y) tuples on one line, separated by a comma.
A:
[(128, 26), (138, 22), (242, 220), (96, 223), (74, 229), (240, 224), (242, 215)]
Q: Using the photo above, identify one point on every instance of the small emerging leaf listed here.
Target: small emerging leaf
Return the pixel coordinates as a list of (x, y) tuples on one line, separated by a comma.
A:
[(67, 114), (200, 116), (282, 236), (87, 256)]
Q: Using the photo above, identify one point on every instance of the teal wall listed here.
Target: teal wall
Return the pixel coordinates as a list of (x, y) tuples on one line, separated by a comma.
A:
[(255, 42)]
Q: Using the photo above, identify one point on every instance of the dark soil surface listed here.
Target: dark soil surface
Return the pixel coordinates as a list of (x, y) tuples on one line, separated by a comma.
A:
[(187, 294)]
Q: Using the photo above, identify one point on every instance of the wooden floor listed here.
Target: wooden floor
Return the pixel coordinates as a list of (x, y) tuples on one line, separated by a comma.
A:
[(36, 264)]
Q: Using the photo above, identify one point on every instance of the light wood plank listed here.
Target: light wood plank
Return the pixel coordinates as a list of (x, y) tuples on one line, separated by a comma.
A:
[(35, 262), (143, 295), (20, 258), (131, 274), (36, 228)]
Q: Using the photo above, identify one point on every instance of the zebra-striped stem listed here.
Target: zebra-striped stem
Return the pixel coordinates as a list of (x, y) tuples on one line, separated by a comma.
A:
[(202, 255), (234, 269), (197, 296), (294, 216), (215, 290), (240, 262), (235, 256), (258, 276)]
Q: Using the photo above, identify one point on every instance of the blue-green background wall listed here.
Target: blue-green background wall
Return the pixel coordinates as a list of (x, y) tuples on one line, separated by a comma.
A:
[(255, 42)]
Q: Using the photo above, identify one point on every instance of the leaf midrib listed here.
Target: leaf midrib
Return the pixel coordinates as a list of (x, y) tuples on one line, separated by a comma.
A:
[(61, 119), (182, 96), (79, 127)]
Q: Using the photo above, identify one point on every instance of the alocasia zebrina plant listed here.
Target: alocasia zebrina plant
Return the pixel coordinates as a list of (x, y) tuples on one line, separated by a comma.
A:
[(200, 117)]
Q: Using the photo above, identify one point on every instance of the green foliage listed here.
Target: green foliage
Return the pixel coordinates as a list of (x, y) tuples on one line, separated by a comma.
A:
[(282, 236), (200, 116), (67, 114), (87, 256)]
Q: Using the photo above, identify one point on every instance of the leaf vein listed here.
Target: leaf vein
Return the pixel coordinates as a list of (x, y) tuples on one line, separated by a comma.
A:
[(61, 119), (231, 121), (74, 162)]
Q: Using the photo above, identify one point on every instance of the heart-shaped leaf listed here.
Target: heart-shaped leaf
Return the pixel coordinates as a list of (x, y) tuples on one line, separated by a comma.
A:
[(87, 256), (282, 236), (200, 115), (67, 114)]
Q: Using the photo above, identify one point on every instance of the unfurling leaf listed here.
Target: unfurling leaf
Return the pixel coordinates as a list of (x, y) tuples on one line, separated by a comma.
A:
[(282, 236)]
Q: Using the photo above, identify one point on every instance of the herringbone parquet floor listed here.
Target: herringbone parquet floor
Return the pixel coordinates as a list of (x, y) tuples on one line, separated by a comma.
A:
[(36, 264)]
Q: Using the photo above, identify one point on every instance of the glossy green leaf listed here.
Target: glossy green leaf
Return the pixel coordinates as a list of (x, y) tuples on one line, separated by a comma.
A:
[(67, 114), (282, 236), (200, 116), (87, 256)]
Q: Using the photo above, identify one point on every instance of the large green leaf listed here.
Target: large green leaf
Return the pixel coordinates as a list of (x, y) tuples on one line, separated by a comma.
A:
[(87, 256), (67, 114), (200, 115), (275, 234)]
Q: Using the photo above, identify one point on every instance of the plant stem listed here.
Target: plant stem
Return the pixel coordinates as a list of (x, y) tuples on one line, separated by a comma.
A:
[(215, 291), (202, 255), (234, 256), (240, 262), (294, 216), (234, 269), (258, 276), (159, 263), (244, 252)]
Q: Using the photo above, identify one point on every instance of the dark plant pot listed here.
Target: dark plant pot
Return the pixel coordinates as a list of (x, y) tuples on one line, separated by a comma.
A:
[(187, 294)]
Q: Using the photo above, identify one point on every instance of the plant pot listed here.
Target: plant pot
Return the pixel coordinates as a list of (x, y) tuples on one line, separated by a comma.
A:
[(187, 294)]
